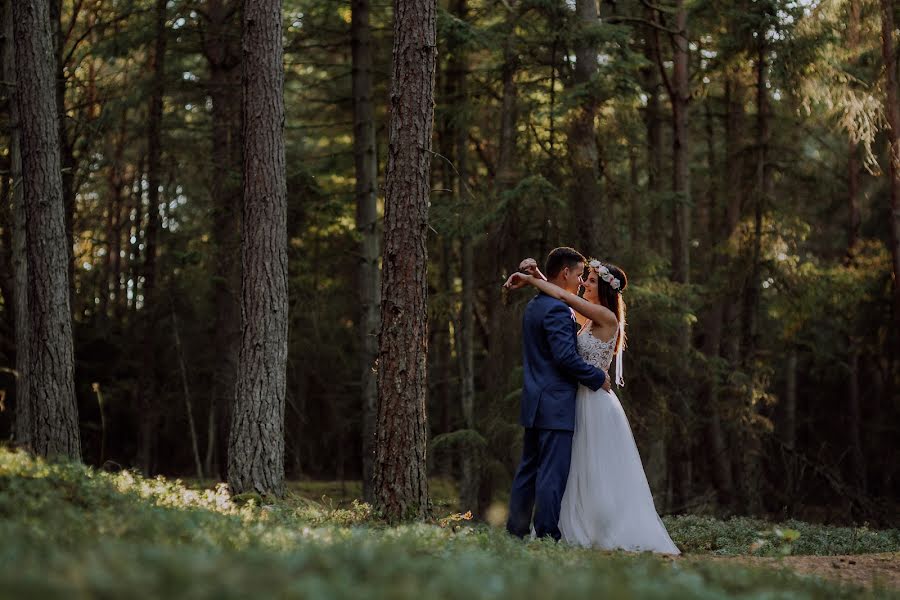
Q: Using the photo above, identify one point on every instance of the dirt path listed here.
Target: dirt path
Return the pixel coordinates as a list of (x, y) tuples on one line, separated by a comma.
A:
[(867, 570)]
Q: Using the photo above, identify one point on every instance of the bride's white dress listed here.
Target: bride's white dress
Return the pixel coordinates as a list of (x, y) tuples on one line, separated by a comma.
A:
[(607, 503)]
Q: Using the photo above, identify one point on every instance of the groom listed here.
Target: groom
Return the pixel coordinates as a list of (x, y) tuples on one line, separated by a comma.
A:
[(553, 370)]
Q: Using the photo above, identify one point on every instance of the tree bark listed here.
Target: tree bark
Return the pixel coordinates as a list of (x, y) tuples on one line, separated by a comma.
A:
[(366, 165), (587, 206), (853, 166), (653, 125), (681, 182), (401, 486), (506, 155), (66, 147), (23, 423), (146, 391), (679, 96), (51, 386), (752, 451), (221, 47), (735, 93), (892, 108), (712, 327), (465, 324), (256, 442)]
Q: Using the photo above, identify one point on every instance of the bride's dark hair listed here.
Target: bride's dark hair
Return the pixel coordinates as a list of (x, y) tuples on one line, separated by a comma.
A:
[(613, 300)]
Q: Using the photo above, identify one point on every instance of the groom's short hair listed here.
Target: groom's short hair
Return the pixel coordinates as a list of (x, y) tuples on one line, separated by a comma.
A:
[(560, 258)]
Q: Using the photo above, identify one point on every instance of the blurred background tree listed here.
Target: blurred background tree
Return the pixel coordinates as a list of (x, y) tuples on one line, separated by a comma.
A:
[(732, 157)]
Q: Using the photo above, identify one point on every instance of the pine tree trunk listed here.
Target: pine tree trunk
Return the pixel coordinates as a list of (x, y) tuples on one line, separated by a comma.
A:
[(892, 108), (681, 182), (401, 486), (23, 418), (256, 442), (712, 328), (146, 390), (656, 464), (679, 95), (653, 125), (471, 459), (506, 155), (501, 240), (366, 164), (66, 147), (853, 221), (222, 52), (752, 450), (51, 387), (734, 170), (587, 206), (787, 422)]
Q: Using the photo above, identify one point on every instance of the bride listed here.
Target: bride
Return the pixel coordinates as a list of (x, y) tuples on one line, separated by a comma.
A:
[(607, 502)]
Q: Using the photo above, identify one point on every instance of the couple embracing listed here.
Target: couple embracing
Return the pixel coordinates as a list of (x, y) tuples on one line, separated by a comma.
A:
[(581, 477)]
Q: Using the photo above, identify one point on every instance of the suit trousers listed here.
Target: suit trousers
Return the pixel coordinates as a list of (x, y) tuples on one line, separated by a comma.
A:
[(540, 482)]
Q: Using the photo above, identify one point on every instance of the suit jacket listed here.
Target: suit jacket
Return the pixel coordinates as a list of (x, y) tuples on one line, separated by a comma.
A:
[(553, 368)]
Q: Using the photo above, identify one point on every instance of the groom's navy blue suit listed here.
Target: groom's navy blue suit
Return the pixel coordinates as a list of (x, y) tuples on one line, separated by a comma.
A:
[(553, 370)]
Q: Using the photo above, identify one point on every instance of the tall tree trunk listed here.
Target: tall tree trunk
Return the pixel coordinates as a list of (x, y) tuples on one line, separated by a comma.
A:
[(735, 93), (679, 96), (401, 486), (51, 386), (852, 150), (585, 189), (256, 442), (787, 422), (23, 417), (465, 324), (854, 418), (853, 169), (366, 165), (66, 147), (221, 48), (892, 108), (712, 327), (500, 241), (752, 450), (636, 213), (653, 125), (681, 182), (657, 458), (146, 391), (134, 234)]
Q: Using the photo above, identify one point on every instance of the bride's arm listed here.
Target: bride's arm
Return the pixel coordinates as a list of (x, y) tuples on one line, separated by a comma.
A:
[(597, 313)]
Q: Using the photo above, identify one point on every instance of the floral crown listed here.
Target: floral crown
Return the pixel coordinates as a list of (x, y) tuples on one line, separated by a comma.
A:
[(604, 274)]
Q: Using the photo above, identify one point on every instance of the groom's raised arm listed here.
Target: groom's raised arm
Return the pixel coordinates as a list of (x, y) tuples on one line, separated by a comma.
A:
[(558, 326)]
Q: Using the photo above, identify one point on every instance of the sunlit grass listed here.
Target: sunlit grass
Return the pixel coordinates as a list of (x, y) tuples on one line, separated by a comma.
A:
[(71, 531)]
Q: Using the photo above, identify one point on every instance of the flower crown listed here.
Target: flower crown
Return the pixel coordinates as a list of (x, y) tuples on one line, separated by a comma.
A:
[(604, 274)]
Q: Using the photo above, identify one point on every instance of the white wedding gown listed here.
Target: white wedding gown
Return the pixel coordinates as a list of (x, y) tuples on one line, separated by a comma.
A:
[(607, 503)]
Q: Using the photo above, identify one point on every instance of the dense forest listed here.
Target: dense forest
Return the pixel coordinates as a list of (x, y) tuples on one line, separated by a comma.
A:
[(739, 159)]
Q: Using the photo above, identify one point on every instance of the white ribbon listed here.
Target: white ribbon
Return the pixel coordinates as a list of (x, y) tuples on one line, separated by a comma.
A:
[(620, 380)]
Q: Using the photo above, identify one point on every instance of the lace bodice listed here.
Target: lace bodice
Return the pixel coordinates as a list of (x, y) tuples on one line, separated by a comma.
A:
[(594, 351)]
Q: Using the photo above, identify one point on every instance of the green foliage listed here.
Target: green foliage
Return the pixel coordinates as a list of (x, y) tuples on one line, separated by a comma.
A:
[(742, 535), (71, 531)]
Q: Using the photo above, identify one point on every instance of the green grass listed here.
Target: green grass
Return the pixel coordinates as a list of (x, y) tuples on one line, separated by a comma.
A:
[(70, 531)]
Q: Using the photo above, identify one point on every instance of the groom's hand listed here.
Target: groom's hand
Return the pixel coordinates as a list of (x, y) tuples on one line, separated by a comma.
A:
[(606, 385)]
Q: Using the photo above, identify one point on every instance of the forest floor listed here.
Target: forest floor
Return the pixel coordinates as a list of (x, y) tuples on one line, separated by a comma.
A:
[(879, 570), (74, 532), (872, 571)]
